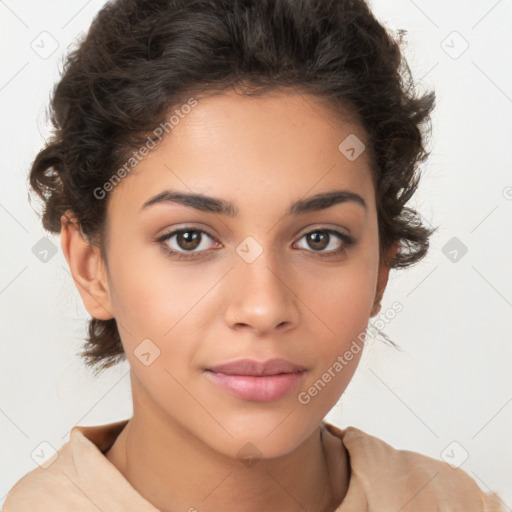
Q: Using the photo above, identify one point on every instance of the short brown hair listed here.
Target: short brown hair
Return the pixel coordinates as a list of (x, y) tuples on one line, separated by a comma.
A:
[(139, 59)]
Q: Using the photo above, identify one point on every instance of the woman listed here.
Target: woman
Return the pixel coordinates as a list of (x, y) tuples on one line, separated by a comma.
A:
[(230, 181)]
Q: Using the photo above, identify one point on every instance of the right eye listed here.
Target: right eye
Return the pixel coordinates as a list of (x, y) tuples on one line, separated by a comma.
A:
[(187, 240)]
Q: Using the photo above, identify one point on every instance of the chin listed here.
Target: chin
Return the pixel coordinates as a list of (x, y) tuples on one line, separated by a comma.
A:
[(268, 434)]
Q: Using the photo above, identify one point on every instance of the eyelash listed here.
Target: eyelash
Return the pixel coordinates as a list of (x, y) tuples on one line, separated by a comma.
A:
[(347, 243)]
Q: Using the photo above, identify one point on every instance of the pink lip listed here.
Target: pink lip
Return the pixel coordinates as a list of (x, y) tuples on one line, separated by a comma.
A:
[(260, 382)]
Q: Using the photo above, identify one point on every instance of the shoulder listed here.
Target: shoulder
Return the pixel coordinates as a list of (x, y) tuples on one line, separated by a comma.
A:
[(74, 477), (54, 477), (407, 480)]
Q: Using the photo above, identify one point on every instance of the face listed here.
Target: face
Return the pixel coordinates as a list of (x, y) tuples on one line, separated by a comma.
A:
[(192, 289)]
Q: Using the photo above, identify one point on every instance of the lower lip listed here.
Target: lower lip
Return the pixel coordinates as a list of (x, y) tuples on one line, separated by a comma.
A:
[(257, 389)]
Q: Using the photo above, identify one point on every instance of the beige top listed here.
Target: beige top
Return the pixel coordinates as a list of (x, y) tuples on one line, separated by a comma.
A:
[(383, 479)]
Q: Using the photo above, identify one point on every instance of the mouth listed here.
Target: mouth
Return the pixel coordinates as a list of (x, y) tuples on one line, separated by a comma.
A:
[(257, 381)]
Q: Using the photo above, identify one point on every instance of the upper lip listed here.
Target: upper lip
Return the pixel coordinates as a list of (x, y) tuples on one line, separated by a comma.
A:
[(252, 367)]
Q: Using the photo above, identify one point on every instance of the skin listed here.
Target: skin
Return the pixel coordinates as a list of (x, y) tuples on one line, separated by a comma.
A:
[(262, 153)]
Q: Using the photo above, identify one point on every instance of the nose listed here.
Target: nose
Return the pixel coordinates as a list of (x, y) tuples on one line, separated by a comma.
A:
[(261, 296)]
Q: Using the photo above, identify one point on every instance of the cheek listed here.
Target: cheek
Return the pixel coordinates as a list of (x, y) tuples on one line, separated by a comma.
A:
[(158, 308), (342, 297), (342, 303), (151, 294), (336, 353)]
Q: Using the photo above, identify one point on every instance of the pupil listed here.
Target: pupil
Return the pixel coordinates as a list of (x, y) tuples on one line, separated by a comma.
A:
[(188, 237), (318, 238)]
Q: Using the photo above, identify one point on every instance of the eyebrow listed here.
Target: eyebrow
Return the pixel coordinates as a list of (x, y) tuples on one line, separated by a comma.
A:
[(210, 204)]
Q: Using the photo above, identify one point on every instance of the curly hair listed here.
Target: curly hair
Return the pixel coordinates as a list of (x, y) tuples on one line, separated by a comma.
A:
[(141, 59)]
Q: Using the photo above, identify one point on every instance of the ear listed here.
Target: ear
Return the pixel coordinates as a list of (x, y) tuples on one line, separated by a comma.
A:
[(382, 279), (87, 268)]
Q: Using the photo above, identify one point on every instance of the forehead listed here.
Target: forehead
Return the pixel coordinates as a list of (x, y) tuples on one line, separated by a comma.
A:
[(254, 148)]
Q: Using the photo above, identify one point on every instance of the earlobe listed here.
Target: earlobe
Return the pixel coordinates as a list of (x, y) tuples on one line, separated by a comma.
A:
[(87, 268)]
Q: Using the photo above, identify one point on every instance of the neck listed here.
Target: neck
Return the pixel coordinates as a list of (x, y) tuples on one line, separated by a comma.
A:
[(176, 471)]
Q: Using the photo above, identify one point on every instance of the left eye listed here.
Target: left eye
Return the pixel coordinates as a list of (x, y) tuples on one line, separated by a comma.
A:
[(321, 239)]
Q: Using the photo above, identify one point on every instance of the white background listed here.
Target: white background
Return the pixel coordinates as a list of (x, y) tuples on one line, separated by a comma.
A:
[(451, 382)]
